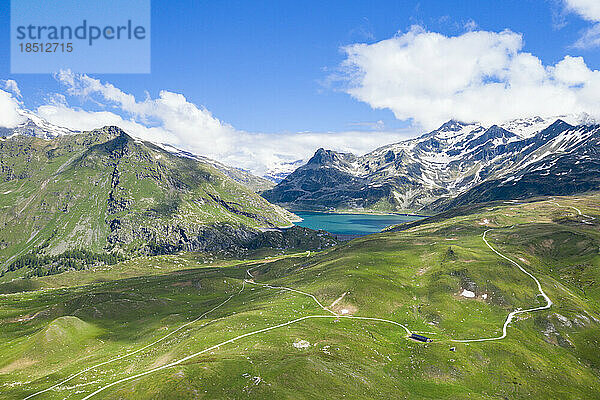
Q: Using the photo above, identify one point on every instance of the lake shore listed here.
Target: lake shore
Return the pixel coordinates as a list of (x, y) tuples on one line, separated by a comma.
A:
[(358, 212), (351, 225)]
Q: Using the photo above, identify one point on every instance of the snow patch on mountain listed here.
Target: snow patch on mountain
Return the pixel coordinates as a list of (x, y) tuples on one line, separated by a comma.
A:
[(36, 127), (441, 164)]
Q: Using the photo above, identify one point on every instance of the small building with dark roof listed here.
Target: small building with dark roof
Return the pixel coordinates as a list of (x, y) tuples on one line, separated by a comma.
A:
[(420, 338)]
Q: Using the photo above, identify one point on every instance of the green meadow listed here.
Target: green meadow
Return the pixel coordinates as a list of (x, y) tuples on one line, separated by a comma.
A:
[(415, 274)]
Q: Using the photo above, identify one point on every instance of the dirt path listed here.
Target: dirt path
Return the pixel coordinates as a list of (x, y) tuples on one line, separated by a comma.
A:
[(589, 218), (292, 290), (138, 350), (510, 316)]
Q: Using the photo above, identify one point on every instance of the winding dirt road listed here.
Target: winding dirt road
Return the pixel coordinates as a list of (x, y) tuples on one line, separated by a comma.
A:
[(518, 311), (508, 320)]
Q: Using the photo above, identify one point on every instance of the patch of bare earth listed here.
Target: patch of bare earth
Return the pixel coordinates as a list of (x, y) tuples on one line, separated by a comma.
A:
[(524, 261), (25, 318), (17, 365), (162, 360), (344, 309), (182, 284)]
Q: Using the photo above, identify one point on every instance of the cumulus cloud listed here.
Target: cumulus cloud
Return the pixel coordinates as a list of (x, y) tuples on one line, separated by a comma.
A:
[(9, 110), (179, 120), (477, 76), (171, 118)]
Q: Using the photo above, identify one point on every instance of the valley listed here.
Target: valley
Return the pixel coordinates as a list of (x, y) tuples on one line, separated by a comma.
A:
[(241, 327), (303, 201)]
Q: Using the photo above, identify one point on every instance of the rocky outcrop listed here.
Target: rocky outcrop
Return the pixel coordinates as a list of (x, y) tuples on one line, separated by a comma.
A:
[(221, 238)]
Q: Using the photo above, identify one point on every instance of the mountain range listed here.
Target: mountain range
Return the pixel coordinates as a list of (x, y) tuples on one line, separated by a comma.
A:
[(35, 126), (131, 269), (456, 164), (106, 192)]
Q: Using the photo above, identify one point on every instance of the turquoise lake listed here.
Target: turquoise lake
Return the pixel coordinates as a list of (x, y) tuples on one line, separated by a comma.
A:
[(350, 224)]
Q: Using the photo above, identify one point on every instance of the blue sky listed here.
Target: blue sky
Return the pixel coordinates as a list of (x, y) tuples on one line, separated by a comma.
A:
[(262, 65), (266, 66)]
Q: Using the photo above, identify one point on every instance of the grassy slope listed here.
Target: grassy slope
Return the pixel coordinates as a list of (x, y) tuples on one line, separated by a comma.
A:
[(410, 277), (57, 192)]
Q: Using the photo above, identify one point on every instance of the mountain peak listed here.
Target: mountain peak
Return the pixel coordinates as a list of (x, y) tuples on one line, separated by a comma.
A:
[(559, 123), (113, 130), (452, 126), (323, 156), (35, 126), (498, 131)]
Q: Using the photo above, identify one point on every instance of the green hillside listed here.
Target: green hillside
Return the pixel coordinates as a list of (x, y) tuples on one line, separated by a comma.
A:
[(105, 192), (171, 327)]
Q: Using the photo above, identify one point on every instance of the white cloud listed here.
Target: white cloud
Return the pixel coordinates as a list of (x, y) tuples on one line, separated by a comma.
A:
[(590, 38), (12, 86), (590, 11), (171, 118), (9, 110), (470, 25), (477, 76)]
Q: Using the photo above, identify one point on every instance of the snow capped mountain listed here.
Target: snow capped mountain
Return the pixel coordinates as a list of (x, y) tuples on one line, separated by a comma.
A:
[(564, 160), (36, 126), (432, 169), (527, 127), (277, 172), (454, 164)]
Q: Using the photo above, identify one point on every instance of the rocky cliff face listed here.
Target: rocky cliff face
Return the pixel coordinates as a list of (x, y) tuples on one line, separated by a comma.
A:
[(468, 162)]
